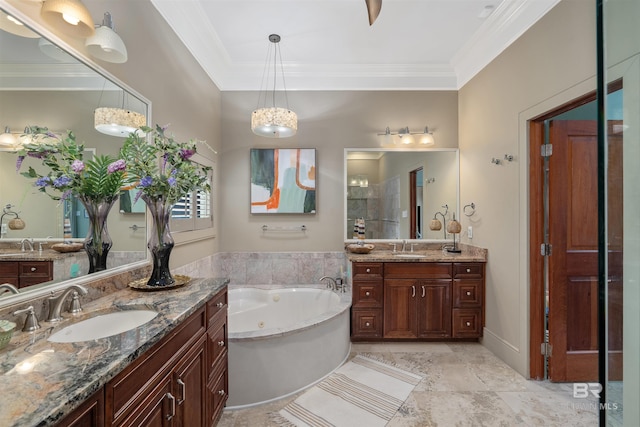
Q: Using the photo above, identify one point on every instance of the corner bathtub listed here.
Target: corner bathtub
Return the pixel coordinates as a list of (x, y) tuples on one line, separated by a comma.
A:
[(283, 340)]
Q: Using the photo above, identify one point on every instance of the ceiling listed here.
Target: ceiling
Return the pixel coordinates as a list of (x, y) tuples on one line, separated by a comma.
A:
[(329, 45)]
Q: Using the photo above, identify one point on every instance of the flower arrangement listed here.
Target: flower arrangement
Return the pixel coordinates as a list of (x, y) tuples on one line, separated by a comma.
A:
[(162, 168), (98, 179)]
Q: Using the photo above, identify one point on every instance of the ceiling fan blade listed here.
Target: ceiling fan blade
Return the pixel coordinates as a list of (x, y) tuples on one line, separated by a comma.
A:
[(373, 7)]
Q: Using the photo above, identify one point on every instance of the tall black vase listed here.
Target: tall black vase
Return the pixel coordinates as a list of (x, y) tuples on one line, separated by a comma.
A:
[(160, 242), (98, 242)]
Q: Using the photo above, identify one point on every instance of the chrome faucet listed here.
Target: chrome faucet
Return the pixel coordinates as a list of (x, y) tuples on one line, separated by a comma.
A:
[(8, 287), (55, 303), (332, 282), (404, 244), (27, 241), (31, 321)]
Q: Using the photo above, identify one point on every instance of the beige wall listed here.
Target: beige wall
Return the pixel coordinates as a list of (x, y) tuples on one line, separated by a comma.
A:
[(549, 65), (329, 122)]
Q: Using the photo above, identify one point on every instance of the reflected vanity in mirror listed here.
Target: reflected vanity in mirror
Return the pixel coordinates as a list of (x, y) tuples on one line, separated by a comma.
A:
[(398, 193), (60, 92)]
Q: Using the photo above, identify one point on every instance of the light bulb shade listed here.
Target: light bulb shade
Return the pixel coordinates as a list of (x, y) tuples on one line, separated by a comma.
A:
[(70, 17), (53, 51), (274, 122), (453, 227), (106, 45), (435, 225), (117, 121), (427, 139), (11, 25)]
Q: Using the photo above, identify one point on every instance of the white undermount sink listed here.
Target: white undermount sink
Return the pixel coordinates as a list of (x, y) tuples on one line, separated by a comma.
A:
[(103, 326), (409, 255)]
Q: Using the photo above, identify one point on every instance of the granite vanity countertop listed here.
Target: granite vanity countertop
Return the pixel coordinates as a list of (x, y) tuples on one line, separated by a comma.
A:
[(44, 255), (42, 381), (422, 253)]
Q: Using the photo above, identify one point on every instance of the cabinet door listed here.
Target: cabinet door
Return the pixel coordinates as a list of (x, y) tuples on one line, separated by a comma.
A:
[(156, 410), (434, 309), (89, 414), (400, 302), (189, 381)]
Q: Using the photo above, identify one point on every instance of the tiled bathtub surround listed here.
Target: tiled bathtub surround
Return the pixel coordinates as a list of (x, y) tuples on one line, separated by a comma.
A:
[(281, 268)]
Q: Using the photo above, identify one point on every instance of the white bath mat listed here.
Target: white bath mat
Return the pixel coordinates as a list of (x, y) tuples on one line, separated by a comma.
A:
[(362, 392)]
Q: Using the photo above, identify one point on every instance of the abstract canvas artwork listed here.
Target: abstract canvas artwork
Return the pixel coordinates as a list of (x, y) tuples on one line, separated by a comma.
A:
[(283, 180)]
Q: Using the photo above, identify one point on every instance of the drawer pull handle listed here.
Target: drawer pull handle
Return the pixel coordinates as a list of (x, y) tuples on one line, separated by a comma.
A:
[(413, 291), (33, 269), (172, 400), (468, 323), (468, 293), (220, 305), (422, 291), (221, 343), (468, 270), (221, 392), (367, 324), (367, 293), (182, 387), (368, 270)]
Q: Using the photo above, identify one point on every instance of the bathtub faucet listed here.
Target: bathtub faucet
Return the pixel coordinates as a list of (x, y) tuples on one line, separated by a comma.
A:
[(331, 284)]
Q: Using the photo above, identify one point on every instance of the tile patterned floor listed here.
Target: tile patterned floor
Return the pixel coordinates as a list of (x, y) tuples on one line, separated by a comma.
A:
[(464, 385)]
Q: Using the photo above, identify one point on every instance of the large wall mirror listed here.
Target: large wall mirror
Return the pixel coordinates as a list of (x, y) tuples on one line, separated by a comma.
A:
[(397, 193), (42, 84)]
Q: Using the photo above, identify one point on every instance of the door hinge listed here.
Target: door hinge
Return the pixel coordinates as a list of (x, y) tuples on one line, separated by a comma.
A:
[(546, 150), (546, 349), (546, 249)]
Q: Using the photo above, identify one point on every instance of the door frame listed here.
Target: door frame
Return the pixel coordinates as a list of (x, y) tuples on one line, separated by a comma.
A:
[(536, 229)]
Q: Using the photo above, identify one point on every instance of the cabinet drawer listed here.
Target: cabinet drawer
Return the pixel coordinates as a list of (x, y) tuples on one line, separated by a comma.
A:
[(467, 293), (417, 270), (9, 269), (471, 270), (366, 323), (217, 343), (367, 295), (216, 305), (219, 389), (35, 268), (367, 270), (467, 323)]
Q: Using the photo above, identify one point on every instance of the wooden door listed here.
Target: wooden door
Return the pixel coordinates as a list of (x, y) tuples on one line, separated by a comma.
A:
[(573, 264), (434, 309), (400, 316)]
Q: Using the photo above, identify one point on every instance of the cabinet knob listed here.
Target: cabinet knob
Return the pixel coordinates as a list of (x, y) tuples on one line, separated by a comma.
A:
[(220, 305), (368, 270), (367, 293), (468, 270), (469, 293), (367, 324), (221, 392), (468, 323), (221, 343), (33, 269)]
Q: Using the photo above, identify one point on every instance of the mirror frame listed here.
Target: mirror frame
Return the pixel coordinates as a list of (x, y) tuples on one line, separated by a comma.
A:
[(396, 150), (39, 291)]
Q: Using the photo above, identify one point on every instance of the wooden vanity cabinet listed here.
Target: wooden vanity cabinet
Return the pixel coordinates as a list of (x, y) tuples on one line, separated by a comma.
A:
[(417, 301), (367, 300), (179, 382), (25, 273)]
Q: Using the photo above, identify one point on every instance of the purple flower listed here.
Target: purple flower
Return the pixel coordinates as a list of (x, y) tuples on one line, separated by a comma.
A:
[(146, 181), (65, 195), (77, 166), (118, 165), (172, 181), (61, 181), (43, 181), (19, 163), (38, 154), (186, 154)]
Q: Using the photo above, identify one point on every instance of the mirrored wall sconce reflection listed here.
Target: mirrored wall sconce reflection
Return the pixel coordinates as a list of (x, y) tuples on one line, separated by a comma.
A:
[(11, 25), (358, 181), (405, 137), (430, 180), (14, 141)]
